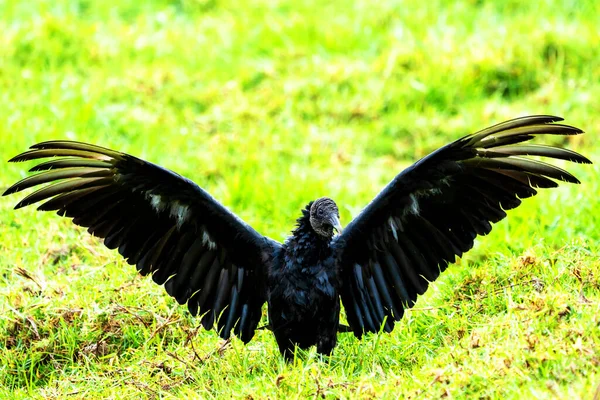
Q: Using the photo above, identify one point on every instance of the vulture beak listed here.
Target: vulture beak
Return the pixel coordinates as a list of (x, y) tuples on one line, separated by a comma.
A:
[(335, 222)]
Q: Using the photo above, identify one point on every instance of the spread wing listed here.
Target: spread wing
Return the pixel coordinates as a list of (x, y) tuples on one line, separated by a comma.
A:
[(163, 223), (432, 212)]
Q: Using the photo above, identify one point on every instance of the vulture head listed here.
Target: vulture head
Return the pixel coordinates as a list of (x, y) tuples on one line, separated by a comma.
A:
[(325, 217)]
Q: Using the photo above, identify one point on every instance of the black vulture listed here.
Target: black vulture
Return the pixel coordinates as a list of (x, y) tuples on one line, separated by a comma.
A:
[(225, 271)]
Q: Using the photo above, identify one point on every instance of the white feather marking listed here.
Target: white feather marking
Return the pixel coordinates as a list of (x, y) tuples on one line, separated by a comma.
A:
[(180, 212), (156, 202), (434, 191), (414, 206), (207, 241), (393, 226)]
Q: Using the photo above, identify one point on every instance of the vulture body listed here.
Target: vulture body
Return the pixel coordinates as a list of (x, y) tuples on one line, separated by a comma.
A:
[(225, 271)]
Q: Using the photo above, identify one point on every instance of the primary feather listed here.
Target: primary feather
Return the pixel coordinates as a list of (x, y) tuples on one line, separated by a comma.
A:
[(225, 271)]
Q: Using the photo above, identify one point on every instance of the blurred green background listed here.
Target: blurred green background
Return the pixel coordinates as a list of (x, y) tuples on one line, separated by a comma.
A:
[(268, 105)]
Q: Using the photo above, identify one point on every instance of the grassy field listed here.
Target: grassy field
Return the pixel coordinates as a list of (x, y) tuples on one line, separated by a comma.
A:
[(270, 104)]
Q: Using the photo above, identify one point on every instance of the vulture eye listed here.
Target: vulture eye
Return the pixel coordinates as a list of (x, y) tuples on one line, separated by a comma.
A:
[(320, 212)]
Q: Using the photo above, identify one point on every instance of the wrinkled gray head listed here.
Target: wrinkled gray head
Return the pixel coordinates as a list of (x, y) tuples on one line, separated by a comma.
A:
[(325, 217)]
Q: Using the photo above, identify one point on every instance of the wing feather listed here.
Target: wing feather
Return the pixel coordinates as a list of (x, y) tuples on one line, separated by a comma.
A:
[(232, 311)]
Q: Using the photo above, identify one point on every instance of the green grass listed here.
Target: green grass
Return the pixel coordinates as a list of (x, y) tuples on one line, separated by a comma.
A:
[(267, 105)]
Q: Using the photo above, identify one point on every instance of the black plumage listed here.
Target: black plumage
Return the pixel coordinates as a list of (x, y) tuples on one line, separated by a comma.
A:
[(225, 271)]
